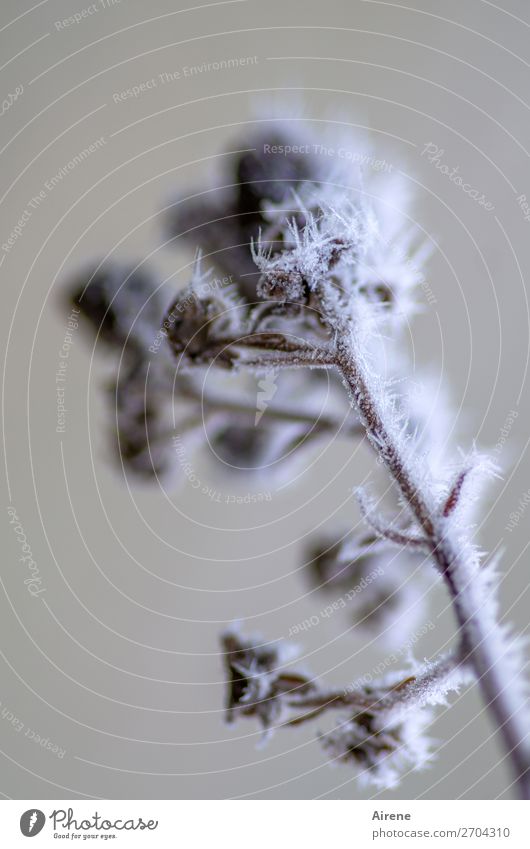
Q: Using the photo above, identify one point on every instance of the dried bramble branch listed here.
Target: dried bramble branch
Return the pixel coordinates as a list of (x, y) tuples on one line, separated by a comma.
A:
[(334, 287), (125, 309), (313, 276), (383, 729)]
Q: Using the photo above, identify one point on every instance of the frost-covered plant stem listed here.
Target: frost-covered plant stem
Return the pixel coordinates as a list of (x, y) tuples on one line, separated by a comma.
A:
[(338, 267), (415, 691), (481, 642), (337, 339), (323, 424)]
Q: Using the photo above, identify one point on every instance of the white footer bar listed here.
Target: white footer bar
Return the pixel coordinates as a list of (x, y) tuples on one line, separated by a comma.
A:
[(265, 824)]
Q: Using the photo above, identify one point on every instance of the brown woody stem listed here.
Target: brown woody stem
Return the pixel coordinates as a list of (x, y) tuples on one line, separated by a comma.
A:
[(412, 691), (478, 644)]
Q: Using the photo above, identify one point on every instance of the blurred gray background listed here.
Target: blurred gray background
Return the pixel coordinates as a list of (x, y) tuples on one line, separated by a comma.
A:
[(117, 662)]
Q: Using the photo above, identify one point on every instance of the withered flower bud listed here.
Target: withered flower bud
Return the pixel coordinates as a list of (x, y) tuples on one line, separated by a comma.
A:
[(223, 222), (383, 599), (379, 747), (264, 175), (187, 325), (201, 323), (342, 564), (122, 305), (281, 283), (257, 684)]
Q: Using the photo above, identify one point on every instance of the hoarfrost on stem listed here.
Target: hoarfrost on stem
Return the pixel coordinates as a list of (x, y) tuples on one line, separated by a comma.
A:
[(324, 274)]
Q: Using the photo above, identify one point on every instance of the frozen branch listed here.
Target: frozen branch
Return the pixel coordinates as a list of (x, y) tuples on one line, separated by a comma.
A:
[(330, 284), (389, 532), (381, 727), (310, 274)]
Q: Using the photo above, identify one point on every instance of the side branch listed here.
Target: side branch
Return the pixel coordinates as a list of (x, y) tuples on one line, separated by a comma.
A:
[(447, 672)]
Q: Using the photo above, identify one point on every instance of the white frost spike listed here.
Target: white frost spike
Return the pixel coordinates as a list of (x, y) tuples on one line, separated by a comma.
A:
[(335, 236), (199, 277)]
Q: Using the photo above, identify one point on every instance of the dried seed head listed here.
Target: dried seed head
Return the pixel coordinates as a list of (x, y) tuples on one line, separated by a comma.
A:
[(266, 174), (329, 240), (122, 304), (188, 326), (382, 598), (343, 563), (223, 222), (201, 318), (381, 748), (258, 686)]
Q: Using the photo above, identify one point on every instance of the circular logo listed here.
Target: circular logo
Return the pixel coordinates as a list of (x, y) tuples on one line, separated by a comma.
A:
[(31, 822)]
